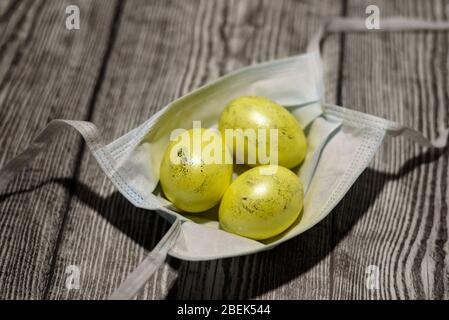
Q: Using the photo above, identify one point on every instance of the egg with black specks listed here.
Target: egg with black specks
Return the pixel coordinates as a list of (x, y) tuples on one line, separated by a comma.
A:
[(196, 169), (258, 113), (262, 203)]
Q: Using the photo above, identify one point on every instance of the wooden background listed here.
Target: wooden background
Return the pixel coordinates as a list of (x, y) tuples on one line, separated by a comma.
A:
[(131, 58)]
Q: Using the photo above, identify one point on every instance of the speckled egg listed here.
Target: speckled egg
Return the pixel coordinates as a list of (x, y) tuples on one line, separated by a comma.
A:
[(260, 206), (189, 180), (252, 112)]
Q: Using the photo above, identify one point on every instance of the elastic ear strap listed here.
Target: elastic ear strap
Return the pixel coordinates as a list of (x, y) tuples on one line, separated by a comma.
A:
[(342, 24), (95, 143), (440, 142), (89, 131), (135, 281), (39, 144)]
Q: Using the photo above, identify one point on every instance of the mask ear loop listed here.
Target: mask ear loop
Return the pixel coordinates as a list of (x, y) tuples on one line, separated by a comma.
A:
[(95, 144), (387, 24), (135, 281), (341, 24)]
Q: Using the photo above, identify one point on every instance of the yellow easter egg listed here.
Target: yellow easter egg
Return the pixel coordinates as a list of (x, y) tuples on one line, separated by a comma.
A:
[(261, 203), (259, 114), (194, 173)]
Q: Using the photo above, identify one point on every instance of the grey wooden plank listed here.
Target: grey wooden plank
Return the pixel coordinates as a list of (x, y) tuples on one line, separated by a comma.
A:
[(163, 50), (396, 215), (46, 72), (105, 235)]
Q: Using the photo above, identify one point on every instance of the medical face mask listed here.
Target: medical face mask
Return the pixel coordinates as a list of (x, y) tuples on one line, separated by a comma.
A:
[(341, 144)]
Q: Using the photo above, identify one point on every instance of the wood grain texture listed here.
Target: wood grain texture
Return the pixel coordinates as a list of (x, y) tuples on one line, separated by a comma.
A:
[(164, 50), (398, 208), (130, 59), (148, 64), (46, 72)]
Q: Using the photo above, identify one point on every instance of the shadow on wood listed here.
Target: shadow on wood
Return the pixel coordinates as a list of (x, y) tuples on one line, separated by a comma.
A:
[(275, 267), (115, 208), (288, 261)]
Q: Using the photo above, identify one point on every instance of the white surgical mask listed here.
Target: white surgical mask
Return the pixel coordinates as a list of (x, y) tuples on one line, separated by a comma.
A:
[(341, 144)]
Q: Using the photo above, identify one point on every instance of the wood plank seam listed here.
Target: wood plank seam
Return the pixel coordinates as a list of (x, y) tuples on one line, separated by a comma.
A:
[(339, 96)]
